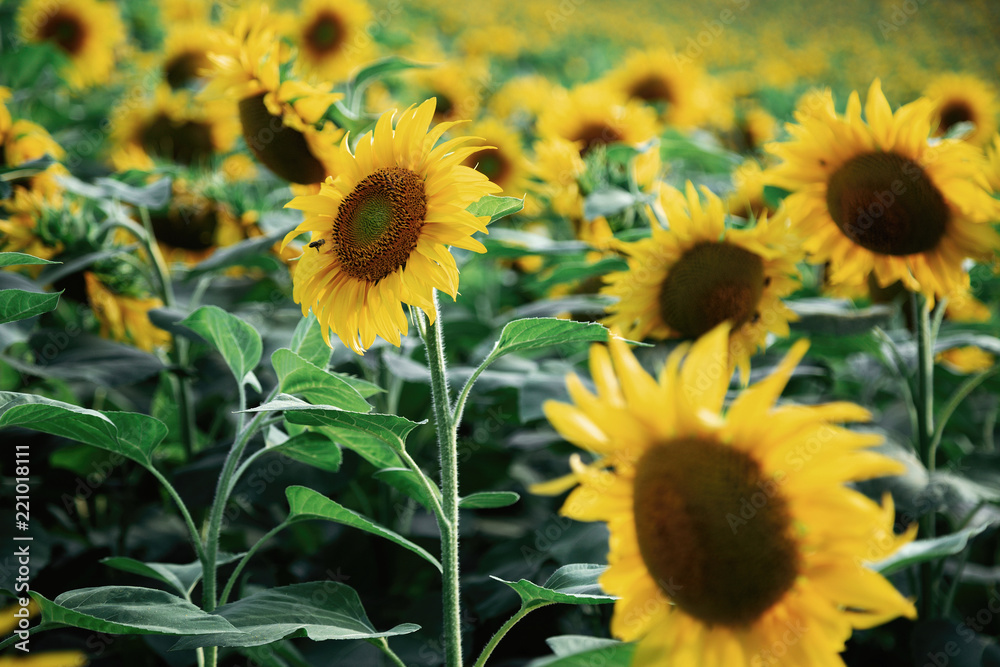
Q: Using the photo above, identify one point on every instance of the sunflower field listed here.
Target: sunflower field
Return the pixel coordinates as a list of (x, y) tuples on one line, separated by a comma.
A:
[(568, 333)]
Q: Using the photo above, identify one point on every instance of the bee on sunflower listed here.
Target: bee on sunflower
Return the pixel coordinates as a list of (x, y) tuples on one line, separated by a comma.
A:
[(700, 581), (875, 195), (380, 231)]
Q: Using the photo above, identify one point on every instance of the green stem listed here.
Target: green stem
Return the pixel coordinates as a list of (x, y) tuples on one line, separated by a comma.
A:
[(448, 450), (960, 395), (925, 434), (383, 644), (504, 629), (246, 559), (192, 529), (432, 493), (464, 394)]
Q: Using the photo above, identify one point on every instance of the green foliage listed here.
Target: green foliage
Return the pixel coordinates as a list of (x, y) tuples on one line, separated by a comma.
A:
[(237, 342)]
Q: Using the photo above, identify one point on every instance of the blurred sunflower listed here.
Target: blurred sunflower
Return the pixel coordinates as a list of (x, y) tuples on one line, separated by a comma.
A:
[(456, 84), (185, 53), (381, 230), (173, 12), (964, 98), (700, 580), (877, 196), (680, 91), (747, 198), (502, 159), (87, 31), (330, 37), (282, 120), (684, 281), (125, 317), (171, 127), (964, 307), (22, 227), (993, 160), (22, 141), (522, 99)]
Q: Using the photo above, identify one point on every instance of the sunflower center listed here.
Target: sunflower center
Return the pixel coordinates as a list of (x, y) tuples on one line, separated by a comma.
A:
[(283, 150), (491, 163), (378, 224), (324, 34), (187, 227), (713, 531), (184, 68), (711, 283), (954, 113), (596, 134), (652, 89), (66, 31), (185, 142), (886, 203)]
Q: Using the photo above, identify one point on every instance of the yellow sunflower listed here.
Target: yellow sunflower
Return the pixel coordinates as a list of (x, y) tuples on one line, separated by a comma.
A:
[(330, 37), (993, 158), (734, 538), (183, 11), (185, 53), (87, 31), (964, 98), (522, 99), (458, 86), (680, 91), (20, 228), (876, 195), (170, 126), (747, 198), (504, 161), (684, 281), (125, 318), (22, 141), (282, 120), (381, 230)]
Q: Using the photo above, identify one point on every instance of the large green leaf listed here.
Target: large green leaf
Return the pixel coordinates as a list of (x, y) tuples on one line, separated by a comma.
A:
[(495, 207), (132, 435), (408, 482), (570, 584), (237, 342), (21, 259), (318, 610), (129, 610), (315, 449), (16, 304), (540, 332), (307, 342), (488, 500), (583, 651), (181, 578), (920, 551), (298, 376), (305, 505)]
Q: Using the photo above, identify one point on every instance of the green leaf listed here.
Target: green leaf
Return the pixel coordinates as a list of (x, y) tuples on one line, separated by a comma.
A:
[(376, 70), (583, 651), (609, 201), (314, 449), (488, 500), (838, 317), (237, 342), (21, 259), (570, 584), (298, 376), (129, 610), (307, 342), (255, 252), (408, 482), (154, 196), (495, 207), (16, 304), (132, 435), (319, 610), (515, 243), (920, 551), (181, 578), (773, 195), (363, 387), (306, 504), (533, 333)]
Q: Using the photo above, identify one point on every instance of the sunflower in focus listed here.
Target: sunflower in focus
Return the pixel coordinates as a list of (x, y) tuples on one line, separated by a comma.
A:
[(125, 317), (963, 98), (381, 229), (330, 37), (87, 31), (684, 281), (680, 91), (170, 127), (282, 119), (875, 195), (701, 581)]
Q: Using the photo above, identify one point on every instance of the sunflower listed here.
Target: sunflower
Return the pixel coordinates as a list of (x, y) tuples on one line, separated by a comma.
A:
[(684, 281), (504, 162), (747, 198), (125, 318), (679, 90), (381, 230), (522, 99), (993, 158), (185, 53), (877, 195), (86, 31), (330, 37), (22, 141), (23, 220), (171, 127), (184, 11), (282, 120), (730, 532), (964, 98), (458, 86)]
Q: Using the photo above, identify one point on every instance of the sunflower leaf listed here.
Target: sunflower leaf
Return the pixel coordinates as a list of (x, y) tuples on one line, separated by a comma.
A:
[(495, 207), (21, 259), (298, 376), (373, 71), (488, 500), (920, 551), (533, 333), (584, 651), (237, 342), (570, 584), (18, 304)]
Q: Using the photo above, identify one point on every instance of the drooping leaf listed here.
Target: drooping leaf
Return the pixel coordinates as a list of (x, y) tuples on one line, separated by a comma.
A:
[(495, 207), (182, 578), (237, 342), (298, 376), (608, 201), (253, 252), (570, 584), (533, 333), (838, 318), (373, 71), (156, 195), (920, 551), (129, 610), (408, 482), (21, 259), (488, 500), (305, 504), (18, 304)]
